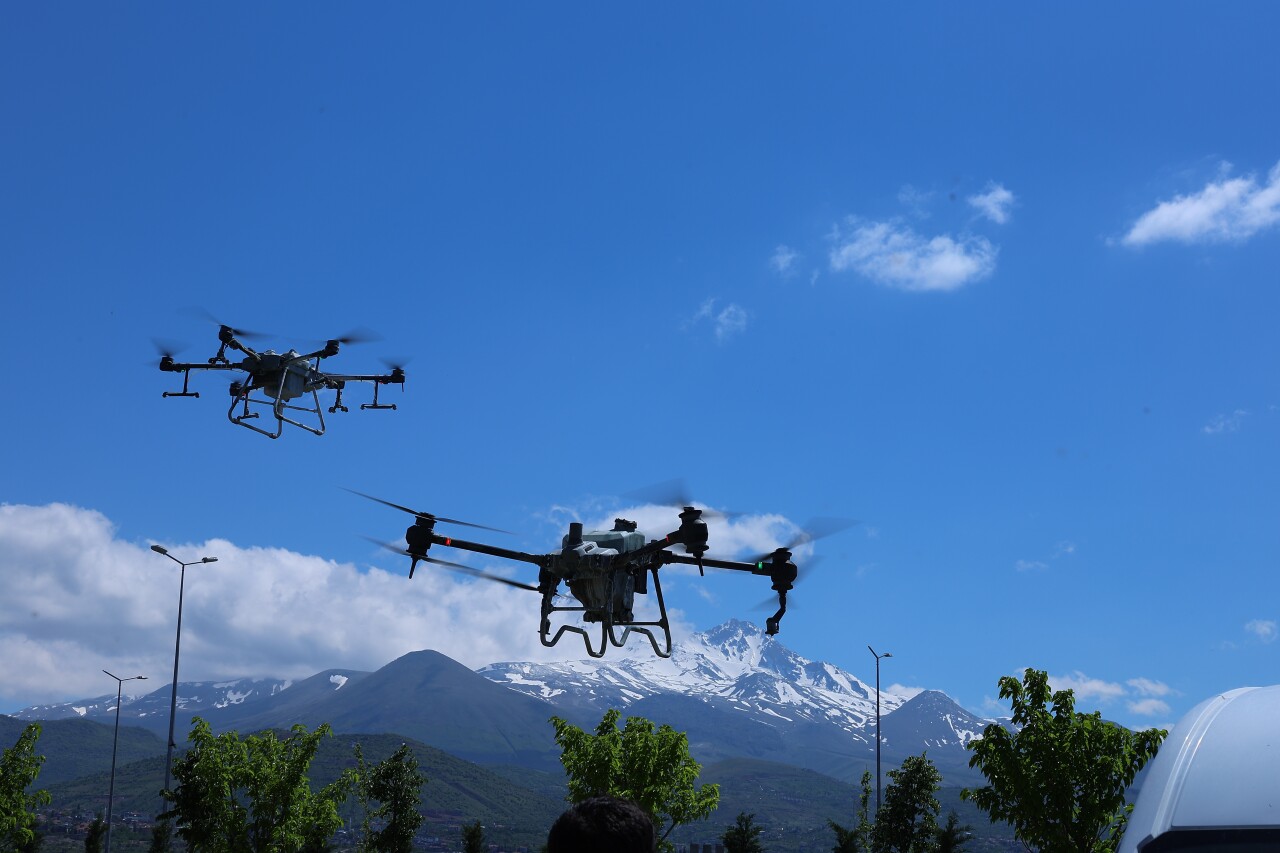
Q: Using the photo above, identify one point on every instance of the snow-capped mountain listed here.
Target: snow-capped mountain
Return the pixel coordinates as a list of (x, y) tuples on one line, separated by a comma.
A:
[(739, 692), (194, 697), (734, 691), (735, 664)]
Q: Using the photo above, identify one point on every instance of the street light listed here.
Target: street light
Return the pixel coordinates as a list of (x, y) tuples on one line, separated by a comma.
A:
[(177, 646), (111, 789), (877, 657)]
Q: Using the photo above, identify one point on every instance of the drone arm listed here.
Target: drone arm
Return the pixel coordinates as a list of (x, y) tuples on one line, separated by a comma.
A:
[(539, 560), (685, 559)]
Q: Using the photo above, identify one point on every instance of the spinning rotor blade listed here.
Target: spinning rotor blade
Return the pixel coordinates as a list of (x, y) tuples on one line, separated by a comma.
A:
[(817, 528), (395, 362), (203, 314), (675, 493), (427, 515), (454, 567), (358, 335), (167, 348), (771, 603)]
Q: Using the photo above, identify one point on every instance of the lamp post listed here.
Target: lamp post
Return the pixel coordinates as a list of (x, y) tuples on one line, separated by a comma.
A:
[(877, 657), (177, 646), (111, 789)]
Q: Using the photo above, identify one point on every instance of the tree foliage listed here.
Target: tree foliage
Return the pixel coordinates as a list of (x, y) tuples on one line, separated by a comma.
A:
[(96, 832), (857, 838), (652, 768), (743, 836), (1060, 778), (473, 838), (953, 835), (252, 795), (907, 821), (396, 786), (19, 767)]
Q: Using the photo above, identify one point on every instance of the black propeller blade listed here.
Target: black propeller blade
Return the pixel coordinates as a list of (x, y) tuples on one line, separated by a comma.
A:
[(674, 493), (817, 528), (358, 335), (167, 348), (454, 567), (427, 515), (239, 333)]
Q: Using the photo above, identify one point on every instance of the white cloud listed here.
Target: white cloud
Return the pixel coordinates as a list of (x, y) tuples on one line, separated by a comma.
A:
[(1264, 629), (1064, 549), (783, 259), (915, 200), (1225, 423), (1030, 566), (1147, 687), (904, 691), (892, 254), (78, 600), (994, 204), (1086, 688), (727, 322), (1148, 707), (1229, 210)]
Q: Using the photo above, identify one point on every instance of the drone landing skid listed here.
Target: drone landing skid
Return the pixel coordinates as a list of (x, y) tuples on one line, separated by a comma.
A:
[(278, 407), (608, 623)]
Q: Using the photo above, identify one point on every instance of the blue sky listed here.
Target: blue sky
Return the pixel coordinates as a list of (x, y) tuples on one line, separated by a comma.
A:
[(999, 283)]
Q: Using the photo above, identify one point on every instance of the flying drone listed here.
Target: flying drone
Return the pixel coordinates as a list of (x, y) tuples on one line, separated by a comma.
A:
[(279, 382), (605, 569)]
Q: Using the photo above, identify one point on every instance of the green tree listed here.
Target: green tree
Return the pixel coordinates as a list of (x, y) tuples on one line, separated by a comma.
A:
[(1060, 777), (19, 767), (252, 795), (651, 768), (473, 838), (907, 819), (97, 831), (161, 837), (743, 836), (857, 838), (953, 836), (396, 785)]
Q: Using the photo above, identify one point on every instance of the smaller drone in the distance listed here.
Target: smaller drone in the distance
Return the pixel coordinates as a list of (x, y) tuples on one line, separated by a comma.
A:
[(605, 569), (282, 383)]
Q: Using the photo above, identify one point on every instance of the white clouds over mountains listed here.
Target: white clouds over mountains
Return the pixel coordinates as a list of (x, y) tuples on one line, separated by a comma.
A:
[(1224, 211), (78, 600)]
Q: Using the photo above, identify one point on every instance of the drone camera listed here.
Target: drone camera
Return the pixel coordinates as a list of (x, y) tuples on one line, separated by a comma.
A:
[(236, 389), (772, 626)]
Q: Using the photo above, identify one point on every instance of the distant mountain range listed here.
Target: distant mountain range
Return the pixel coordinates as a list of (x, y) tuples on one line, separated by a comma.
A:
[(771, 727), (737, 693)]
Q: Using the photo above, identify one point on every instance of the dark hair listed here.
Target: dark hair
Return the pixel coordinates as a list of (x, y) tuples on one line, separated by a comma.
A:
[(602, 825)]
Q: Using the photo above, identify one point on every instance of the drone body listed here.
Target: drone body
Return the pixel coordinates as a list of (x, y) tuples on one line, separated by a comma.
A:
[(604, 571), (275, 380)]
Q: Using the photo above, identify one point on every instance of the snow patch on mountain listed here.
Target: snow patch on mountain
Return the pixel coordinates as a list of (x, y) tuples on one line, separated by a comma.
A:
[(734, 665)]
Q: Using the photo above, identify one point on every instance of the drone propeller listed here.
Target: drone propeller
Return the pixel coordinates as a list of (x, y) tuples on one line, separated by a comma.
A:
[(451, 566), (771, 603), (426, 515), (675, 493), (817, 528), (167, 348), (358, 335), (239, 333)]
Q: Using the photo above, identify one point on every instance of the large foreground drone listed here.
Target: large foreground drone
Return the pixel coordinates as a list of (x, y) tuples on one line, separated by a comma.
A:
[(279, 379), (605, 569)]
